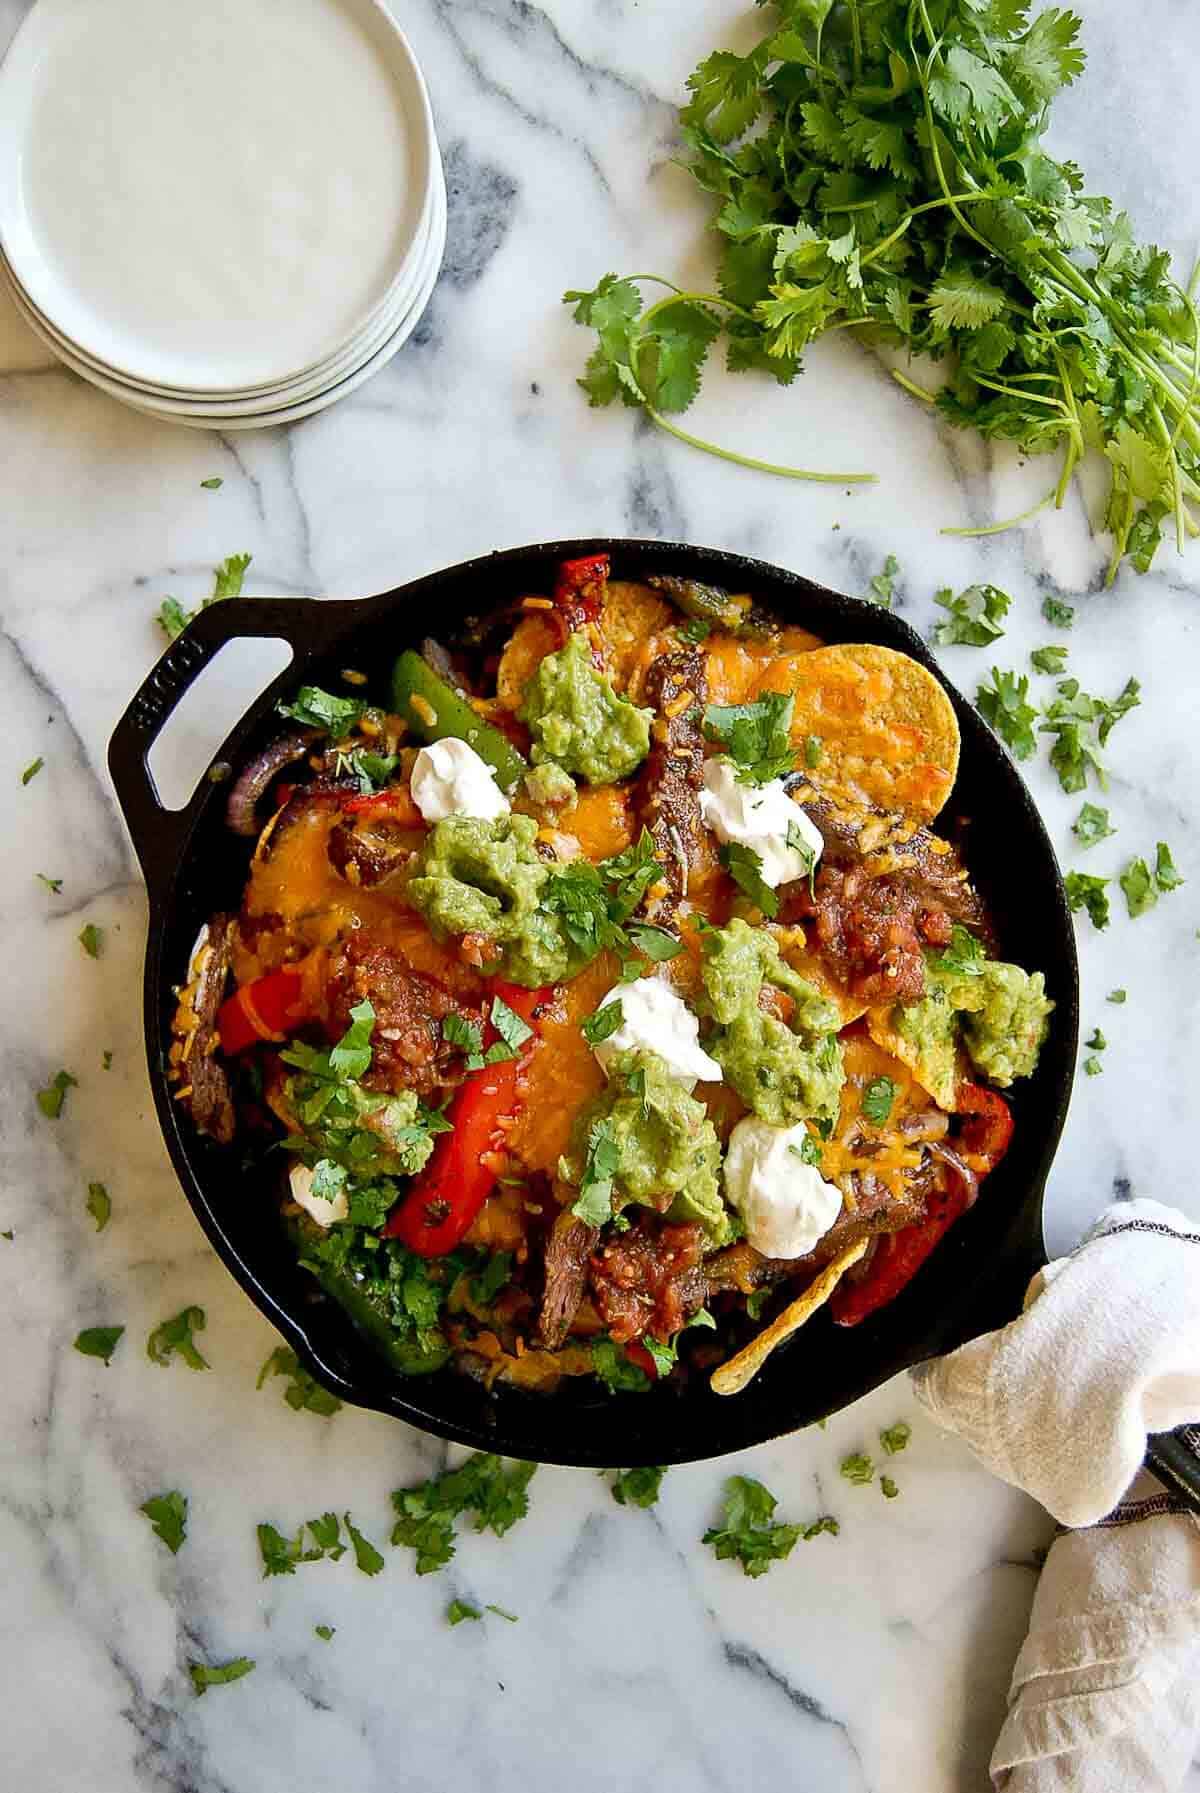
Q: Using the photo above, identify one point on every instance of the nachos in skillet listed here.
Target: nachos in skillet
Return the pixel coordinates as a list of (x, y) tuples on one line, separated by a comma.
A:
[(601, 993)]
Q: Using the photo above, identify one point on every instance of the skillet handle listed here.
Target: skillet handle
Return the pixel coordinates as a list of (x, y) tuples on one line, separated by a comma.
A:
[(158, 832)]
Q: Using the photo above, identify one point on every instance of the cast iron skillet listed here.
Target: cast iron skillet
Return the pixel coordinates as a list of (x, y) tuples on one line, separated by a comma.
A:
[(194, 866)]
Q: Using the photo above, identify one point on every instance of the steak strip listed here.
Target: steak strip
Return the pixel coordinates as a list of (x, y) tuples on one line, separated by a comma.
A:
[(569, 1246), (205, 1090), (668, 791)]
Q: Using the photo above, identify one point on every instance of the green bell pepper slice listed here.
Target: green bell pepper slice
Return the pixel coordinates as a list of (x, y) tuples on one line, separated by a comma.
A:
[(436, 713)]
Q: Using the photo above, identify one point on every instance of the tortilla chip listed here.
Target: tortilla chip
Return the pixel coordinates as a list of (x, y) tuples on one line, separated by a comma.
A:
[(732, 1377), (795, 952), (936, 1070), (889, 736)]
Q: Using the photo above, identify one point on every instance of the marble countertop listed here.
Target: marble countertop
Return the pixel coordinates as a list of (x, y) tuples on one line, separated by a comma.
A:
[(877, 1660)]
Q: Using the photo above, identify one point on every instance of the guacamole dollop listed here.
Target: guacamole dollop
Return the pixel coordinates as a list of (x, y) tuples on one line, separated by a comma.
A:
[(784, 1071), (579, 723), (1004, 1033), (476, 877), (667, 1154)]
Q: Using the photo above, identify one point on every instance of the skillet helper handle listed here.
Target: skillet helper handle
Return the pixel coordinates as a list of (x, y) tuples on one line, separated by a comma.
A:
[(158, 832), (1174, 1457)]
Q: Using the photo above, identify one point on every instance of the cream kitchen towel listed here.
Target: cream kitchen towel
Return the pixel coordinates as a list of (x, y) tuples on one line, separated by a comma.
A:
[(1105, 1695)]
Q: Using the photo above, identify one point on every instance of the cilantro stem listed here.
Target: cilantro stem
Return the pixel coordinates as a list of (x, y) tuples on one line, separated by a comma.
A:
[(757, 466), (1009, 522), (920, 392), (680, 296)]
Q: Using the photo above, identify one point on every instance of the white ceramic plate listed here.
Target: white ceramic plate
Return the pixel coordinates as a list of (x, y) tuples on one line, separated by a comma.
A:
[(289, 413), (338, 367), (212, 198)]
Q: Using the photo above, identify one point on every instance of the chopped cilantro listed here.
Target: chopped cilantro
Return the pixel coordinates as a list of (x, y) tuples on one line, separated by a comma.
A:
[(1092, 1066), (694, 630), (227, 583), (366, 1557), (826, 1523), (593, 1205), (656, 943), (756, 1300), (1050, 660), (31, 771), (1137, 882), (1165, 874), (666, 1356), (502, 1613), (756, 736), (99, 1341), (975, 616), (106, 1059), (50, 1100), (325, 1632), (497, 1497), (167, 1513), (1055, 611), (99, 1205), (1092, 825), (52, 884), (610, 1363), (91, 939), (1117, 996), (877, 1100), (314, 708), (1004, 707), (176, 1336), (1084, 891), (493, 1277), (750, 1535), (458, 1610), (509, 1025), (879, 590), (205, 1675), (638, 1487), (964, 957), (212, 485), (895, 1438), (857, 1468), (744, 866), (326, 1534), (303, 1392), (1097, 1043), (602, 1024), (808, 1151), (887, 1487), (458, 1031), (279, 1554)]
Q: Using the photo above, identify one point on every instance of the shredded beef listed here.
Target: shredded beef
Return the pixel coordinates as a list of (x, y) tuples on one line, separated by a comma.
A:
[(209, 1098), (569, 1245), (668, 793)]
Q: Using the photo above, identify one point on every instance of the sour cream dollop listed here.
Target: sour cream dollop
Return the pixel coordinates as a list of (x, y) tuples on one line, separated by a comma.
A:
[(450, 779), (655, 1019), (787, 1205), (758, 816), (323, 1212)]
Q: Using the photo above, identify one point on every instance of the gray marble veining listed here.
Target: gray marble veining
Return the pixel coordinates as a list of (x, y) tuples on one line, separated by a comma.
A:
[(875, 1661)]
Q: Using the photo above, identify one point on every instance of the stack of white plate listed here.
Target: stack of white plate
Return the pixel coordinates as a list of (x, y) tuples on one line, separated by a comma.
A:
[(225, 214)]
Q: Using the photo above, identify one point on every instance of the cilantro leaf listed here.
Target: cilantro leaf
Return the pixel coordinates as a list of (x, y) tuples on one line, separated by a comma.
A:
[(366, 1557), (1097, 1043), (1118, 996), (212, 485), (826, 1523), (1137, 882), (964, 957), (509, 1025), (877, 1101), (99, 1341), (52, 884), (31, 771), (325, 1632), (615, 1370), (750, 1535), (1004, 707), (205, 1675), (976, 616), (655, 943), (50, 1100), (744, 866), (879, 590), (1050, 660), (458, 1610), (332, 715), (1084, 891), (602, 1023), (593, 1205), (91, 939), (757, 736), (227, 583), (857, 1468), (494, 1276), (279, 1554), (303, 1392), (1092, 1067), (638, 1487), (1055, 611), (426, 1513), (813, 747), (895, 1438), (167, 1514), (1092, 825), (99, 1205), (176, 1336), (887, 1487), (1165, 875)]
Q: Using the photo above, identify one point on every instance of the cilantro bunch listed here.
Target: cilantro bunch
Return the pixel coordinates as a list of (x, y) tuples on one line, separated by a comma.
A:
[(878, 166)]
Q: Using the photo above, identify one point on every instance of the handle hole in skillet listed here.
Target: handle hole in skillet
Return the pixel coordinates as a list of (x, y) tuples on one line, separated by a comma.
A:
[(221, 695)]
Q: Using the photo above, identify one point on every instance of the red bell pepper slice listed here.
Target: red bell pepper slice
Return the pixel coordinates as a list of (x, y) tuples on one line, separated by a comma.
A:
[(984, 1136), (580, 590), (898, 1256), (638, 1355), (445, 1197), (270, 1008), (393, 804)]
